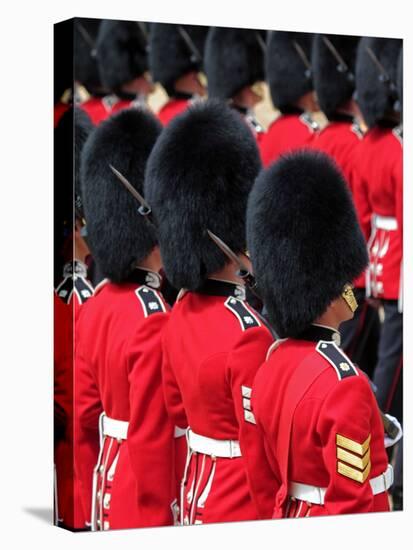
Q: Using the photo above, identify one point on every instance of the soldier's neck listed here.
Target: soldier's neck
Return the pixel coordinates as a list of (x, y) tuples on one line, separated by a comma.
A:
[(153, 262)]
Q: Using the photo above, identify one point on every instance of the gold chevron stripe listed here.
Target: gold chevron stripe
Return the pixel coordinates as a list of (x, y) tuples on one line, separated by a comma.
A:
[(353, 446), (354, 460), (352, 473)]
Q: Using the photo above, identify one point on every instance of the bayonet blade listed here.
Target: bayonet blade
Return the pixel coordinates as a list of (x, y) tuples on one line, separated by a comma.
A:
[(144, 209)]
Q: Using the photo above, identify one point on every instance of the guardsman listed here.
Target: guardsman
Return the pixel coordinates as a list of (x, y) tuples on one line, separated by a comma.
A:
[(334, 65), (198, 178), (290, 79), (129, 482), (72, 289), (176, 60), (234, 65), (379, 195), (121, 54), (317, 415)]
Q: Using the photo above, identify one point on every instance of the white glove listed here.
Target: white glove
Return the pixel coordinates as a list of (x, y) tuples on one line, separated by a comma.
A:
[(388, 441)]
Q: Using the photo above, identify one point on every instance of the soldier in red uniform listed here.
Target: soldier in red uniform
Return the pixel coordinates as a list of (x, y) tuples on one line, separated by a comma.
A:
[(175, 60), (70, 293), (121, 54), (198, 177), (334, 63), (289, 76), (379, 196), (234, 65), (321, 429), (118, 340)]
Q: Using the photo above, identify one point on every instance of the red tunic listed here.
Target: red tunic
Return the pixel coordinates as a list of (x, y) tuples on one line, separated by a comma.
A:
[(172, 108), (71, 293), (204, 391), (379, 200), (118, 371), (286, 133), (101, 108), (340, 140), (320, 426)]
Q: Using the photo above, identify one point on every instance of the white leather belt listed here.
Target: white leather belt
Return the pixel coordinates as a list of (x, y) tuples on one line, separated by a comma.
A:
[(179, 432), (114, 428), (223, 448), (387, 223), (315, 495)]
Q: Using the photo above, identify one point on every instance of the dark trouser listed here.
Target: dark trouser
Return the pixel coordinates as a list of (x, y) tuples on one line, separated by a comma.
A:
[(388, 377), (360, 336)]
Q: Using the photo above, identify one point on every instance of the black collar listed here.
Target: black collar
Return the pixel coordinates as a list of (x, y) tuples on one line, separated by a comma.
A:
[(181, 95), (146, 277), (217, 287), (315, 333), (291, 110)]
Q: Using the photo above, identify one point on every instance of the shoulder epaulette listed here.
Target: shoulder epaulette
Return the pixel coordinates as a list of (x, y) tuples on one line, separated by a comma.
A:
[(337, 359), (398, 133), (83, 289), (150, 300), (245, 316)]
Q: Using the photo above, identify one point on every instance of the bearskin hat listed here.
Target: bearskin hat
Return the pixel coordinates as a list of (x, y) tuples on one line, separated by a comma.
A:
[(72, 131), (118, 235), (376, 86), (334, 70), (121, 52), (234, 58), (85, 60), (198, 177), (288, 67), (175, 50), (400, 79), (304, 238)]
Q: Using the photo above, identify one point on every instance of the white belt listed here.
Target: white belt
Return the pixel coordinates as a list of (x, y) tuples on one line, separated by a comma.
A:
[(115, 428), (179, 432), (315, 495), (387, 223), (223, 448)]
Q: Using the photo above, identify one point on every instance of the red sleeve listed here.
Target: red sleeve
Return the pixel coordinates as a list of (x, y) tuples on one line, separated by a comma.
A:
[(398, 175), (88, 408), (172, 393), (243, 363), (361, 194), (344, 428), (150, 434)]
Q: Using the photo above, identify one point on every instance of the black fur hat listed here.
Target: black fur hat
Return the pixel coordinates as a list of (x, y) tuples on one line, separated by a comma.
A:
[(175, 50), (118, 235), (288, 67), (334, 70), (400, 80), (85, 60), (121, 52), (304, 238), (234, 58), (198, 177), (377, 90)]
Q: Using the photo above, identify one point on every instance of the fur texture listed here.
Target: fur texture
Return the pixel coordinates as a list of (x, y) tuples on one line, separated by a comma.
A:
[(375, 97), (287, 75), (117, 234), (333, 85), (400, 79), (234, 59), (304, 238), (85, 60), (198, 177), (170, 57), (121, 53)]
